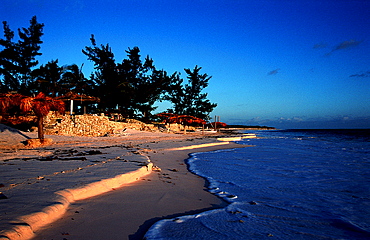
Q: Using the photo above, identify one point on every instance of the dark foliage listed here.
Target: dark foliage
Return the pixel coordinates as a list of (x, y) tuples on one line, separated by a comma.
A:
[(17, 59), (188, 99), (130, 87)]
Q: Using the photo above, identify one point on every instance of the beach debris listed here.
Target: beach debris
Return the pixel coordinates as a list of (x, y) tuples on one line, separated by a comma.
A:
[(174, 170), (89, 152), (2, 185), (48, 158), (2, 196), (40, 178), (73, 158), (235, 212), (130, 145), (253, 203), (156, 169)]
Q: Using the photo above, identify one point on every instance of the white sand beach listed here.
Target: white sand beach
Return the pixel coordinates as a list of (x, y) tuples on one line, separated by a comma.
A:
[(99, 187)]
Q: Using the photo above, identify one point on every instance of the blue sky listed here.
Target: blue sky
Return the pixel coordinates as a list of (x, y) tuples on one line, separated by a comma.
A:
[(282, 63)]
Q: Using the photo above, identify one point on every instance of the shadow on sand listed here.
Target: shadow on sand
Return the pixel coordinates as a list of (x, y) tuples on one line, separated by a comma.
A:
[(11, 137), (4, 128)]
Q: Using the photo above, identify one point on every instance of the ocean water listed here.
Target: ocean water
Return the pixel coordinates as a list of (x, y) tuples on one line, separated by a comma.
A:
[(293, 184)]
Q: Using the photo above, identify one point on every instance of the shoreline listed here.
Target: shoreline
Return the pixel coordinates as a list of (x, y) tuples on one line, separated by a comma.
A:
[(173, 192), (152, 145)]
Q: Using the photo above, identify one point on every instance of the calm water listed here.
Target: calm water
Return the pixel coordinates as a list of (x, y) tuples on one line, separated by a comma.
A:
[(293, 184)]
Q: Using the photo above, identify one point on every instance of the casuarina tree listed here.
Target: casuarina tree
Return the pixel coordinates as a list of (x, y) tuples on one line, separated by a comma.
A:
[(105, 76), (131, 87), (146, 84), (17, 59), (188, 99), (47, 79)]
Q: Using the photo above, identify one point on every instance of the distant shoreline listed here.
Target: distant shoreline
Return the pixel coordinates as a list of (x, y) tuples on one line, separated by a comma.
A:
[(234, 128)]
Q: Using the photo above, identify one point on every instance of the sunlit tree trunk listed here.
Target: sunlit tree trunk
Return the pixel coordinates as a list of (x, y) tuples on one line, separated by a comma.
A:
[(40, 128)]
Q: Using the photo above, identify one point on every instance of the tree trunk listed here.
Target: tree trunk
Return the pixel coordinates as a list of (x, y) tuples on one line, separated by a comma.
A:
[(40, 128)]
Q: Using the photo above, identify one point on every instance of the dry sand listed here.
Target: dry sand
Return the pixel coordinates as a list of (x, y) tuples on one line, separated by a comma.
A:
[(124, 211)]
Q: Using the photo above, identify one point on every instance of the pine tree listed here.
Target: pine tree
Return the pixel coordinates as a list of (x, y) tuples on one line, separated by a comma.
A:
[(188, 99), (8, 57), (131, 87), (73, 80), (105, 76), (146, 83), (47, 79), (17, 59)]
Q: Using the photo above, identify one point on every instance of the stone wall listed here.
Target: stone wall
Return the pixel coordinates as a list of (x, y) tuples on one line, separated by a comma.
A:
[(97, 126), (88, 125)]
